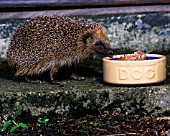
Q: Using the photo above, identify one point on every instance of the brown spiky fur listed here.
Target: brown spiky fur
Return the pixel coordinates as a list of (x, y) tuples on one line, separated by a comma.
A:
[(48, 43)]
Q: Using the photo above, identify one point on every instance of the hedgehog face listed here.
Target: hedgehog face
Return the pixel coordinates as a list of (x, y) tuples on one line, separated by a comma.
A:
[(98, 42)]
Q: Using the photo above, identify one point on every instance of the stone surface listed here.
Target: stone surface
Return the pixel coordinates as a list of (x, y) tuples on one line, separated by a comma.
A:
[(89, 95)]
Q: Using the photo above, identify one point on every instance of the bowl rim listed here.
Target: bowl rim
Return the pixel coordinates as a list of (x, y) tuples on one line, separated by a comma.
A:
[(160, 58)]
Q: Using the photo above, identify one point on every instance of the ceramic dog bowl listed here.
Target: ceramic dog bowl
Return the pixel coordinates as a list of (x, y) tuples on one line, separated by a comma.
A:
[(151, 70)]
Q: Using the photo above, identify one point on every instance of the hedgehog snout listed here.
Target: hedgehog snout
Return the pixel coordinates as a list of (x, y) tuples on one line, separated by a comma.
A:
[(109, 50)]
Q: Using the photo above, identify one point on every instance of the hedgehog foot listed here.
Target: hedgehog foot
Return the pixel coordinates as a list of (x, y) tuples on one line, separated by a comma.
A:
[(29, 80), (74, 76), (53, 71), (55, 82)]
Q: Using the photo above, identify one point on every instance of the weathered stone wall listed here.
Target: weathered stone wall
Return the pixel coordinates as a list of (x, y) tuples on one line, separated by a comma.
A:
[(146, 32), (149, 32)]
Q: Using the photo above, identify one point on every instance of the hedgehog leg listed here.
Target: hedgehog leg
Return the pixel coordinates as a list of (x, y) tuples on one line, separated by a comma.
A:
[(26, 77), (53, 71), (74, 75)]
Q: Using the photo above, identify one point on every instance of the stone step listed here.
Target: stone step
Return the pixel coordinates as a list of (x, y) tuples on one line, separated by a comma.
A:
[(88, 95)]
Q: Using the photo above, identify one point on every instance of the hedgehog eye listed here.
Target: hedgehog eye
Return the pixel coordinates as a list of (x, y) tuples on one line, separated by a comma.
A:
[(97, 42), (87, 36)]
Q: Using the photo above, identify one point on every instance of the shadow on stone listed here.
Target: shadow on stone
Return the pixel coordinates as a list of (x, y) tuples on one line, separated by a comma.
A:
[(6, 72), (64, 73)]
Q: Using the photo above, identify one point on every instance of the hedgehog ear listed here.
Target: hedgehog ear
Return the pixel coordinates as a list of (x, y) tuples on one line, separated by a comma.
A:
[(87, 36)]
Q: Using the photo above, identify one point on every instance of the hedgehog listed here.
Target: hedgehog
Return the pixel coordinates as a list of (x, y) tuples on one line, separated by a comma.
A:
[(47, 43)]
